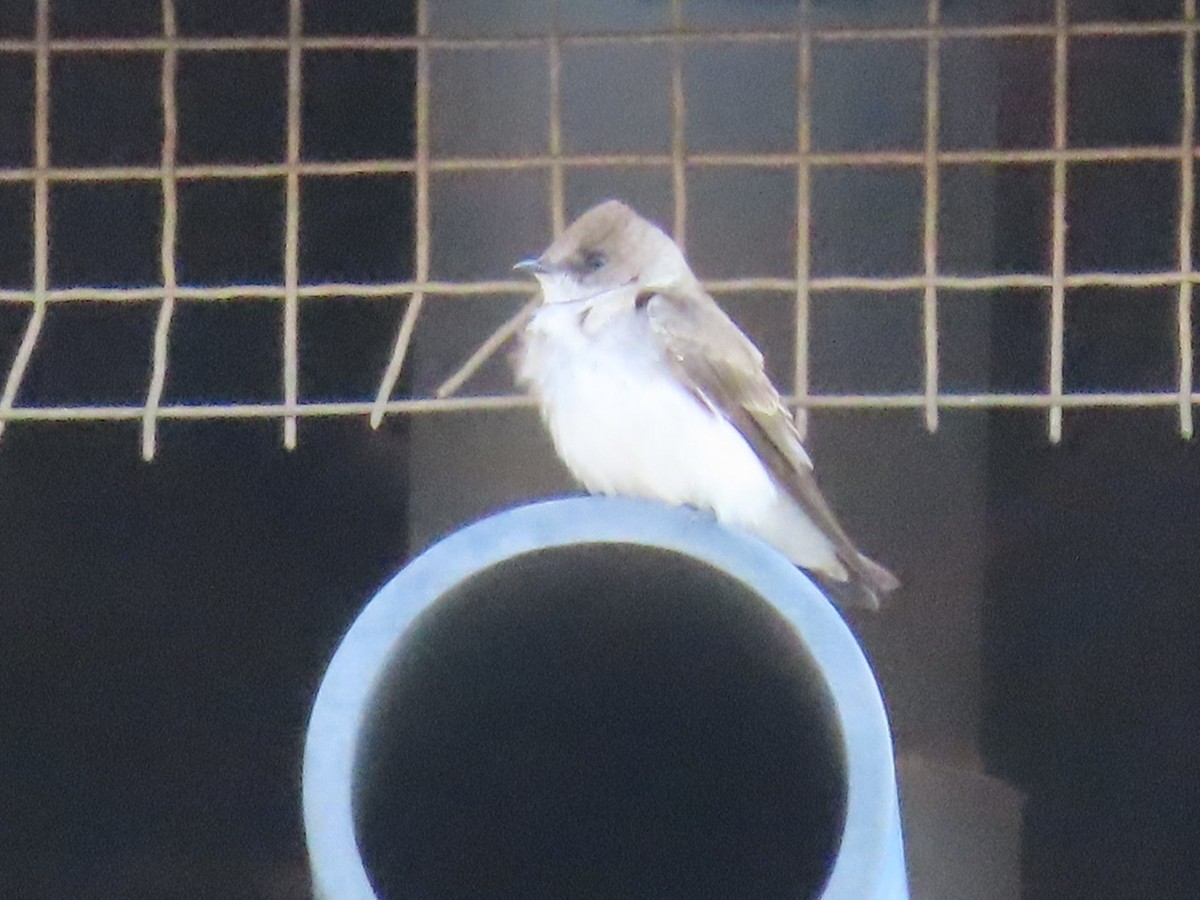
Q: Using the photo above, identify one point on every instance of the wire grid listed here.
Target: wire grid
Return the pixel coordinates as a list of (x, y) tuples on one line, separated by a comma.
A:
[(934, 33)]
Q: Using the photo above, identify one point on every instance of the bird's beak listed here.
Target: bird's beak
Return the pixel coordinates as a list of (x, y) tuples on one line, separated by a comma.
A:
[(531, 266)]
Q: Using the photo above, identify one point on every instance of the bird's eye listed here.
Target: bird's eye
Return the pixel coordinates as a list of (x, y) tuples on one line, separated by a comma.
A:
[(593, 260)]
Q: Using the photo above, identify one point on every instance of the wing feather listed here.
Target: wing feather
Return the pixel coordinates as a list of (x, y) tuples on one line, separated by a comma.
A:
[(723, 368)]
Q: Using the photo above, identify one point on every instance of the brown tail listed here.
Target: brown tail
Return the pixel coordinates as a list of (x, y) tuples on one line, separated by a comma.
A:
[(874, 576), (869, 583)]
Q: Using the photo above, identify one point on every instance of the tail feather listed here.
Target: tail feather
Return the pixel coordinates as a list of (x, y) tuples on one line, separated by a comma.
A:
[(874, 577), (868, 583)]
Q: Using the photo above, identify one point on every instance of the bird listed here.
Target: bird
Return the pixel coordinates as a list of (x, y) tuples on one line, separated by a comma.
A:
[(648, 389)]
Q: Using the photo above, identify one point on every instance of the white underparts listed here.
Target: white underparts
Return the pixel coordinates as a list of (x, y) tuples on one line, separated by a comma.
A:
[(624, 424)]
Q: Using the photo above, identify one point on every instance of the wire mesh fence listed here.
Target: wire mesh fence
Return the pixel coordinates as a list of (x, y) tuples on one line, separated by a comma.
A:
[(44, 63)]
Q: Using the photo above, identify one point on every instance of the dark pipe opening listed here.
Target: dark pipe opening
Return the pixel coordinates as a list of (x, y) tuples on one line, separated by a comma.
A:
[(601, 720)]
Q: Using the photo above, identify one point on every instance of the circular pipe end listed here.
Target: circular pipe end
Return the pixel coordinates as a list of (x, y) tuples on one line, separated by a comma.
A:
[(599, 698)]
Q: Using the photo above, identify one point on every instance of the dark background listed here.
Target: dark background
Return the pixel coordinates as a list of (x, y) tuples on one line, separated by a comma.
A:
[(1092, 681), (165, 624)]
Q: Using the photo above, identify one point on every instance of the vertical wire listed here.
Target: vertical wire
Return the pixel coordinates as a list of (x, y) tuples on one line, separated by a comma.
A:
[(408, 322), (41, 211), (930, 236), (557, 187), (804, 71), (170, 224), (1059, 225), (1187, 204), (678, 128), (291, 230), (516, 322)]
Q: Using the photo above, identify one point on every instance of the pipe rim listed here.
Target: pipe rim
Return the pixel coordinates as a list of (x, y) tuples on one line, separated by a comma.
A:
[(871, 838)]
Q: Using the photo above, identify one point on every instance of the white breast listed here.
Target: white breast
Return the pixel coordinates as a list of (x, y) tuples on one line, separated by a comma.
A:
[(623, 424)]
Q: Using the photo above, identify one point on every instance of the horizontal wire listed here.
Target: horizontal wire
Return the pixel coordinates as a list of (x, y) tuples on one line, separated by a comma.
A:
[(1147, 399), (833, 34), (434, 289), (847, 159)]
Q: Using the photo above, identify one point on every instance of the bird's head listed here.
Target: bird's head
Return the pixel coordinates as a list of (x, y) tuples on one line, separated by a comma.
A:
[(608, 248)]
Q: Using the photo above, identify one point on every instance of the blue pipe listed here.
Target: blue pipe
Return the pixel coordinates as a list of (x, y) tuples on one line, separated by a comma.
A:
[(601, 697)]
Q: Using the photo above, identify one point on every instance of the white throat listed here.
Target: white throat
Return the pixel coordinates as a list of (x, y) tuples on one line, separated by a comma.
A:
[(564, 288)]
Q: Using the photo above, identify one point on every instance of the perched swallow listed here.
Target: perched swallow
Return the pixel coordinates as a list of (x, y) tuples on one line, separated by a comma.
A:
[(650, 390)]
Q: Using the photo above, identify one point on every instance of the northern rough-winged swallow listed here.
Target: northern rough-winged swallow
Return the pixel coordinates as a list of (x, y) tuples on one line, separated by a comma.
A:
[(650, 390)]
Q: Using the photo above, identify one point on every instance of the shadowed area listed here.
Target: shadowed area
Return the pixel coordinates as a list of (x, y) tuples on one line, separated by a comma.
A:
[(601, 721)]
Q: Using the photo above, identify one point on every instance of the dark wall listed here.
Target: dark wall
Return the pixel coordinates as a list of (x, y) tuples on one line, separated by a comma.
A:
[(163, 626), (1092, 687)]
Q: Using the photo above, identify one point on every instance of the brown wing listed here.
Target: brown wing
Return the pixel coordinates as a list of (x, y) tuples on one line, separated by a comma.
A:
[(724, 369)]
